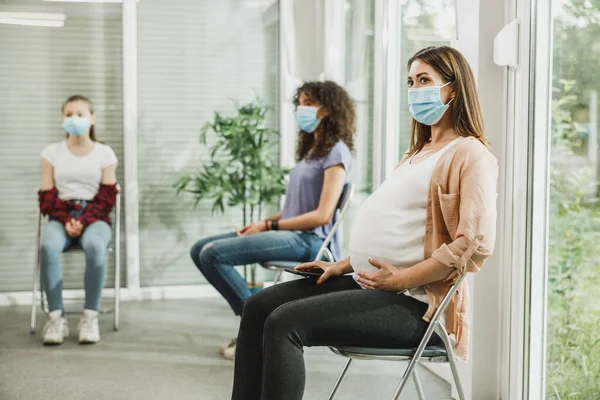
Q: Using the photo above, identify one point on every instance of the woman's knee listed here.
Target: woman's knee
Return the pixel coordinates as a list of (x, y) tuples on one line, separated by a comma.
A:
[(209, 257), (261, 305), (281, 322), (195, 252), (51, 246), (95, 250)]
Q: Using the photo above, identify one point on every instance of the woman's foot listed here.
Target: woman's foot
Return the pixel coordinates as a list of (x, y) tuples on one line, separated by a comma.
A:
[(227, 349), (88, 327), (56, 329)]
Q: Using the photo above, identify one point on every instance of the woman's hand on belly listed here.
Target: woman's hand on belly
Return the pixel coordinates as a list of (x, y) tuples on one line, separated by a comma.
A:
[(329, 268), (386, 278)]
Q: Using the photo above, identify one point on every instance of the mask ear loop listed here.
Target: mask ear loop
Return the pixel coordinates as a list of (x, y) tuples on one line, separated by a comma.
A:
[(451, 98)]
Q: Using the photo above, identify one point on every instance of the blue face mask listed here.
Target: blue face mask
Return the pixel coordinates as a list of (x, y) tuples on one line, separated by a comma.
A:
[(425, 104), (306, 117), (76, 126)]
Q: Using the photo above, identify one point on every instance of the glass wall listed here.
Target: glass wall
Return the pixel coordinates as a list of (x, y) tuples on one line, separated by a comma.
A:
[(40, 67), (359, 72), (422, 23), (573, 331), (195, 58)]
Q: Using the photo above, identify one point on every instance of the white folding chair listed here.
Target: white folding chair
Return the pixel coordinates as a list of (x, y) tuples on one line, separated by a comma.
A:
[(341, 209), (113, 248), (423, 353)]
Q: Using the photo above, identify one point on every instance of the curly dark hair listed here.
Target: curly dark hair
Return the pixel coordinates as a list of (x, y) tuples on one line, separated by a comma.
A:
[(338, 125)]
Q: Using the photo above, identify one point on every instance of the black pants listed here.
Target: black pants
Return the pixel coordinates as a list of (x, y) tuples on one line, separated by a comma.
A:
[(279, 321)]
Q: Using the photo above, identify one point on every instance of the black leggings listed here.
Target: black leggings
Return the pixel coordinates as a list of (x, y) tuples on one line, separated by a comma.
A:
[(279, 321)]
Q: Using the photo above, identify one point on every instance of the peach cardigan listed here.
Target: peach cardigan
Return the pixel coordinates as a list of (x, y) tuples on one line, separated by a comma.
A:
[(460, 228)]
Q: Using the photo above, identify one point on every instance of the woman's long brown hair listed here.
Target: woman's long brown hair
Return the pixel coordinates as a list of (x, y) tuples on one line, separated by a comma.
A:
[(84, 99), (465, 110), (338, 125)]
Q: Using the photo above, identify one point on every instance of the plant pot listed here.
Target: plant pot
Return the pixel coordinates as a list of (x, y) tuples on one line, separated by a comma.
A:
[(255, 287)]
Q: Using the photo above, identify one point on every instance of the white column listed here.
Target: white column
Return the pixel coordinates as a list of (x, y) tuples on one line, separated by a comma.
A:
[(487, 284), (334, 40), (379, 90), (392, 93), (130, 145)]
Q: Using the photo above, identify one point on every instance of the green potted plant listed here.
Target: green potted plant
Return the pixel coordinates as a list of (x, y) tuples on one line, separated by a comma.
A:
[(242, 170)]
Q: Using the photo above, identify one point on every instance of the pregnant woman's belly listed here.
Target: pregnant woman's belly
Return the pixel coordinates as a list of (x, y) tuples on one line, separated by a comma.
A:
[(390, 229)]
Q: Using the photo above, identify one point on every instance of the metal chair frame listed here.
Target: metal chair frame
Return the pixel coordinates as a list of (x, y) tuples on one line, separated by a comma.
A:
[(433, 354), (114, 247), (324, 251)]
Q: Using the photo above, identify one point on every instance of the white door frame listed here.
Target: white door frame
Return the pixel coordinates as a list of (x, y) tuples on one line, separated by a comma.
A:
[(524, 252)]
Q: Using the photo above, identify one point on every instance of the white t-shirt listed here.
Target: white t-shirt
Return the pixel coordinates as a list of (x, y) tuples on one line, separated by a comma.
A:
[(390, 224), (78, 177)]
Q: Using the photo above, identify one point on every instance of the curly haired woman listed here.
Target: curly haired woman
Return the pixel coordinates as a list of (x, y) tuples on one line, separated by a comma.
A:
[(325, 115)]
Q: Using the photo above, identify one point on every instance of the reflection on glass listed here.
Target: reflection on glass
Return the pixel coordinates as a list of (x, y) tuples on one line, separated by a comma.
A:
[(573, 354)]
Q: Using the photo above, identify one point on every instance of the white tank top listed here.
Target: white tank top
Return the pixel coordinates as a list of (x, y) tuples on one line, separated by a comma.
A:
[(78, 177), (390, 224)]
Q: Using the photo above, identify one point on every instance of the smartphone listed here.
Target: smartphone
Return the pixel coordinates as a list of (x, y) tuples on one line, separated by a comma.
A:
[(314, 273)]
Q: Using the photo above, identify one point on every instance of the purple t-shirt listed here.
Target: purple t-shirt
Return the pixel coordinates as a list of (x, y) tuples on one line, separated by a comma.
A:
[(305, 185)]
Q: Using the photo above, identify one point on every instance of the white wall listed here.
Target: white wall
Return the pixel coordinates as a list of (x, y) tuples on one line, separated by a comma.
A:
[(487, 293), (479, 22)]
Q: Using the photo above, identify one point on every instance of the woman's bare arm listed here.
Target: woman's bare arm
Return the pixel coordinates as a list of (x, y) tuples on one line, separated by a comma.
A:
[(47, 175)]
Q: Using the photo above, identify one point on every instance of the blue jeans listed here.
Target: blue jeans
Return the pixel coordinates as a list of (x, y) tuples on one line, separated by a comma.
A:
[(94, 241), (216, 256)]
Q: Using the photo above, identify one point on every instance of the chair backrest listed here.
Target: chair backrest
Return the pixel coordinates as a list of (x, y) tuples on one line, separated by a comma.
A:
[(435, 324), (346, 197), (466, 256), (444, 304), (341, 209)]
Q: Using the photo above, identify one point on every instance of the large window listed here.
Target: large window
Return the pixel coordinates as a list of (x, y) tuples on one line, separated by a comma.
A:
[(573, 318), (423, 23), (359, 72), (40, 67), (195, 58)]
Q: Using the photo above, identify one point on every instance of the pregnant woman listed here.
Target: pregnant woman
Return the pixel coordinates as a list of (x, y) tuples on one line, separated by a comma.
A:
[(432, 220)]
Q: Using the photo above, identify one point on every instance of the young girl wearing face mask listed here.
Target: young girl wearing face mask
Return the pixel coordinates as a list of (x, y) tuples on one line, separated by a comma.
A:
[(325, 115), (432, 220), (77, 194)]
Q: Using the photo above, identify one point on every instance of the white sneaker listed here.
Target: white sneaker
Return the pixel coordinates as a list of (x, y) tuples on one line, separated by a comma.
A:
[(88, 327), (229, 352), (227, 345), (56, 328)]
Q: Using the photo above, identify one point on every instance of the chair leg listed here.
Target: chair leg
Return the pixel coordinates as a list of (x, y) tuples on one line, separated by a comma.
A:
[(457, 381), (451, 361), (340, 379), (407, 374), (413, 364), (117, 292), (418, 386), (36, 275), (117, 261), (277, 277), (36, 270)]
